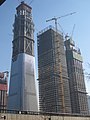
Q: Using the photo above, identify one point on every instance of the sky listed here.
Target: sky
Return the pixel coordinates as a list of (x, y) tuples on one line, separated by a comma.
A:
[(43, 10)]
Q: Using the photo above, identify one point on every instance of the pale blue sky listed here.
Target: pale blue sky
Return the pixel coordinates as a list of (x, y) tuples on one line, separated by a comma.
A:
[(43, 10)]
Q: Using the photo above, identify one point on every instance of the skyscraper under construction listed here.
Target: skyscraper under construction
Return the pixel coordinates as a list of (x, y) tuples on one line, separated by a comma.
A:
[(54, 93), (76, 78), (22, 93)]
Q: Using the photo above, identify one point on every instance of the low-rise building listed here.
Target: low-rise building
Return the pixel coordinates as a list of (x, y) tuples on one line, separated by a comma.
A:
[(3, 90)]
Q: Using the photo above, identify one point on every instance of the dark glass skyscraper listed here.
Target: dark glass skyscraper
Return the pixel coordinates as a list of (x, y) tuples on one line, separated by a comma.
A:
[(78, 93), (54, 93), (22, 93)]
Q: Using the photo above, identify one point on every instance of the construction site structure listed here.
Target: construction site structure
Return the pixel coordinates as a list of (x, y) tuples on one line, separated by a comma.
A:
[(88, 97), (54, 94), (22, 90), (78, 93), (55, 19), (3, 89)]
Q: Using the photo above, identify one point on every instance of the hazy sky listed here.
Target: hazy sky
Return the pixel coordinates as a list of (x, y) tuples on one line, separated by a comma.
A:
[(43, 10)]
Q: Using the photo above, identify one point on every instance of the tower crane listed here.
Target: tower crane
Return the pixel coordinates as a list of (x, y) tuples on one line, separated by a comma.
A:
[(56, 18), (66, 36), (57, 51), (72, 30)]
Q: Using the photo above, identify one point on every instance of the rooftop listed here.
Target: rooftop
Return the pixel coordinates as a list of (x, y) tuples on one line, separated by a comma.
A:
[(48, 28), (24, 5)]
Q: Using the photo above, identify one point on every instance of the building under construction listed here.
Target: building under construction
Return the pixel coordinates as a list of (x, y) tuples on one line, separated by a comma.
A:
[(54, 93), (3, 90), (22, 91), (76, 78)]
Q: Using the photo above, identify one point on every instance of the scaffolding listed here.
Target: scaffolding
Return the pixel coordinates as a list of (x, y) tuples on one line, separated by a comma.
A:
[(76, 78), (53, 79)]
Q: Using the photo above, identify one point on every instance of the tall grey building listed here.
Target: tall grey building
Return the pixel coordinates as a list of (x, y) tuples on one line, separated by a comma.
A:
[(54, 93), (88, 97), (22, 92), (78, 93)]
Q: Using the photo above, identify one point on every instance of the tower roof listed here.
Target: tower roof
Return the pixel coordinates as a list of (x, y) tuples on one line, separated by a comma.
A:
[(48, 28), (23, 5)]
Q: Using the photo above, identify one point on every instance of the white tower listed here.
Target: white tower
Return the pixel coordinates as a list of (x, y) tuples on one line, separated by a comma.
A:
[(22, 92)]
